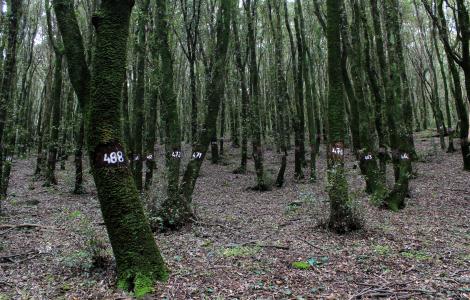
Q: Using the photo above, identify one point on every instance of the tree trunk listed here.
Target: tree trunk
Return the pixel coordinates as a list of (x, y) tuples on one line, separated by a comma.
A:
[(138, 259), (56, 111), (80, 137), (342, 218), (282, 95), (215, 90), (399, 139), (7, 82), (245, 97), (250, 10), (139, 96)]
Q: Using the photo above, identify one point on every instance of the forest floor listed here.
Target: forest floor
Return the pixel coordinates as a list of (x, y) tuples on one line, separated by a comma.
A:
[(245, 242)]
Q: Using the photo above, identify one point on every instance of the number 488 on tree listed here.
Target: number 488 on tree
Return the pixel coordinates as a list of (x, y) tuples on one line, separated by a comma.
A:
[(114, 157)]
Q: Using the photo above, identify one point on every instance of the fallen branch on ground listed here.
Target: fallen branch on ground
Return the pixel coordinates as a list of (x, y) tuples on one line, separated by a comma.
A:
[(25, 225)]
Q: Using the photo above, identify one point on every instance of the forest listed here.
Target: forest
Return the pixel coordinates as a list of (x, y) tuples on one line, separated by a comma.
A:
[(234, 149)]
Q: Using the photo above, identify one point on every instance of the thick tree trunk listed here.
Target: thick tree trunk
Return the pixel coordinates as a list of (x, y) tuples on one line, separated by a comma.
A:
[(138, 259), (7, 82)]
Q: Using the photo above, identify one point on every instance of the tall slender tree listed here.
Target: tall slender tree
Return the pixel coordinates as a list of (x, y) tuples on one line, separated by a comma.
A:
[(342, 217)]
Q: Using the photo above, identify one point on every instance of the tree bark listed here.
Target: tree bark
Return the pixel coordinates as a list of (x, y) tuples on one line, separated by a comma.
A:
[(138, 259), (342, 218)]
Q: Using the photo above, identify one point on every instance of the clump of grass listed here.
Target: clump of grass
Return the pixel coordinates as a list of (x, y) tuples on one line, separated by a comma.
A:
[(418, 255), (383, 250)]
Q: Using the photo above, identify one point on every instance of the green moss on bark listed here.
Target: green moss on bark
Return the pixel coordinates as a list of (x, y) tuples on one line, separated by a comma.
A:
[(138, 259)]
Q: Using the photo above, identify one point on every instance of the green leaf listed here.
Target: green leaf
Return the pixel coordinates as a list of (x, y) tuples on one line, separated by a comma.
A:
[(312, 262)]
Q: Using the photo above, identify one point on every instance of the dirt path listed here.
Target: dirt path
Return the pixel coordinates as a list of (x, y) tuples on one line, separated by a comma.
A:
[(245, 242)]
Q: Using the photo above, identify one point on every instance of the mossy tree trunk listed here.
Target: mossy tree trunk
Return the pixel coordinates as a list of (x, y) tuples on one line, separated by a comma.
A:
[(256, 129), (383, 82), (368, 153), (310, 93), (138, 259), (450, 147), (7, 82), (399, 135), (55, 122), (79, 141), (174, 211), (150, 162), (56, 102), (342, 218), (215, 90), (282, 94), (44, 122), (240, 65), (298, 120), (352, 106)]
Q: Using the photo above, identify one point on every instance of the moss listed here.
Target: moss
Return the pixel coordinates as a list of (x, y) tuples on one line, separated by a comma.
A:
[(343, 215), (417, 255), (139, 283), (301, 265), (383, 250)]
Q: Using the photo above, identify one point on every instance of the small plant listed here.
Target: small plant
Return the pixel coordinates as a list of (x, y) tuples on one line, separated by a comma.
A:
[(418, 255), (301, 265), (293, 207), (383, 250)]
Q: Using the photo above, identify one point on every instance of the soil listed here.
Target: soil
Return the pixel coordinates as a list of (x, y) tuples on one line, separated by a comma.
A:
[(247, 244)]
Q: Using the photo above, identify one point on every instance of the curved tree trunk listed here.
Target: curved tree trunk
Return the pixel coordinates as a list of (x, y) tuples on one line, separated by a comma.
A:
[(138, 259)]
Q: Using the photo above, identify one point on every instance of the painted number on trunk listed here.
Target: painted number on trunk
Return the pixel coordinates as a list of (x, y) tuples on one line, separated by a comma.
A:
[(109, 155), (337, 151), (113, 157), (176, 154), (197, 155)]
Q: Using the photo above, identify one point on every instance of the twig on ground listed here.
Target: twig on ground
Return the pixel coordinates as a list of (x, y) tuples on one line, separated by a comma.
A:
[(312, 245), (10, 257), (259, 244), (25, 225), (289, 222)]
